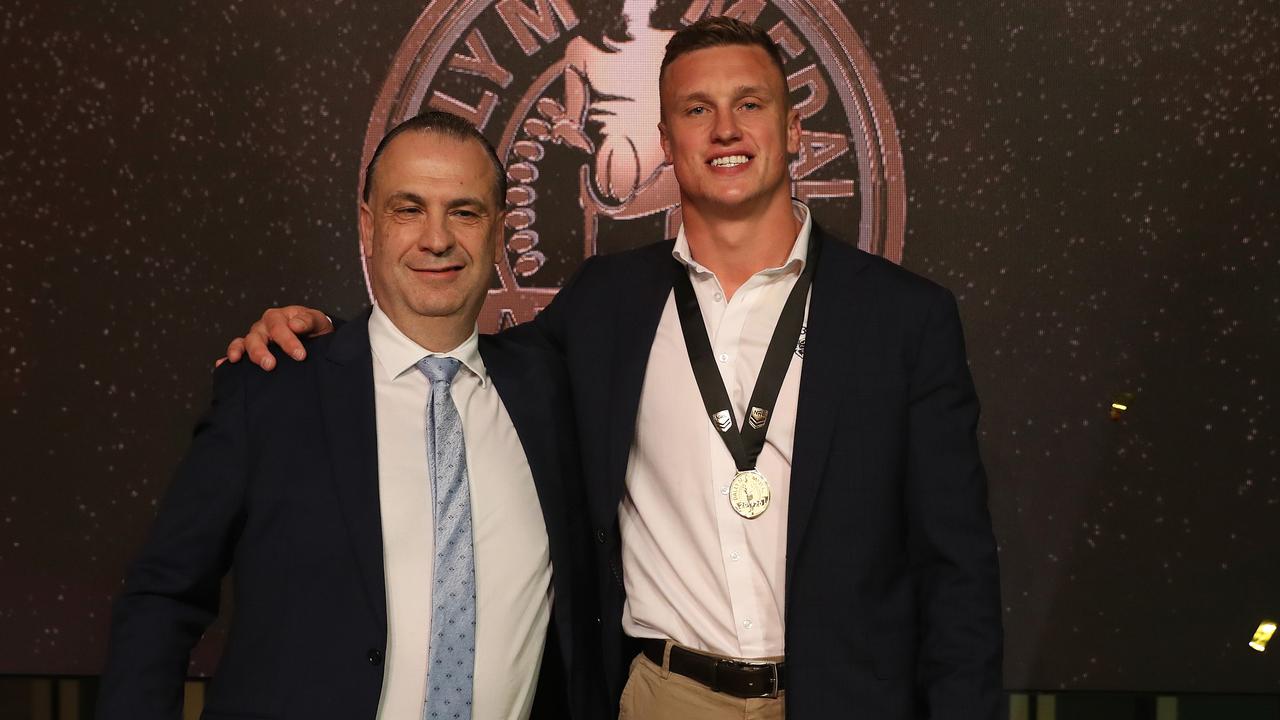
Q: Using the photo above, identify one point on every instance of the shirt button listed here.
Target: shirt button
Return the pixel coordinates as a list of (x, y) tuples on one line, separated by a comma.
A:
[(734, 556), (600, 536), (747, 623), (724, 490), (719, 297), (724, 357)]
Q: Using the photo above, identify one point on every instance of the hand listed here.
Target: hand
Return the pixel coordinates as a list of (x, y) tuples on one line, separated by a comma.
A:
[(282, 326)]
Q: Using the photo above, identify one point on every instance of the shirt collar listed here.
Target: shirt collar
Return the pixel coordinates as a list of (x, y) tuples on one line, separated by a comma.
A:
[(396, 354), (799, 248)]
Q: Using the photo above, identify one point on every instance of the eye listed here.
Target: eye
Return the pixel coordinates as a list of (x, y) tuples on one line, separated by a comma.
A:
[(751, 105), (408, 211), (466, 214), (696, 110)]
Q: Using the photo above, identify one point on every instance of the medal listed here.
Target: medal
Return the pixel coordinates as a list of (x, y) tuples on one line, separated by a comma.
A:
[(749, 494)]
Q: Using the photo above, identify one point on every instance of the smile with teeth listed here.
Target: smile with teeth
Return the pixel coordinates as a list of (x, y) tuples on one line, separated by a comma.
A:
[(730, 161)]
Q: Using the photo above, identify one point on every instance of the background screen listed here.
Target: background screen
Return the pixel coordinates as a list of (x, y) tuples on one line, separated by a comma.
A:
[(1096, 181)]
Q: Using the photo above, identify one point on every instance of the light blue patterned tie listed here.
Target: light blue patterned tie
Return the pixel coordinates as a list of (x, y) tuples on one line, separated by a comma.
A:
[(452, 648)]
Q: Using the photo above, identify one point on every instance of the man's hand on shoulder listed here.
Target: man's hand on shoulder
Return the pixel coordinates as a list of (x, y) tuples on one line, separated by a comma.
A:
[(282, 326)]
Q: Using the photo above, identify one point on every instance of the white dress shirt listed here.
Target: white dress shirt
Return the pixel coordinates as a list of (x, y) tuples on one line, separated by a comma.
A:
[(513, 563), (695, 571)]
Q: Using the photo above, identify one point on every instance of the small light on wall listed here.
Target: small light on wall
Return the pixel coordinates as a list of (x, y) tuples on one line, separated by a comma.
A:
[(1119, 405), (1262, 635)]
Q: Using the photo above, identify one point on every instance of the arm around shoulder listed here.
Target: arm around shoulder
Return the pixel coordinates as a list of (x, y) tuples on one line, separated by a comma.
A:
[(551, 326)]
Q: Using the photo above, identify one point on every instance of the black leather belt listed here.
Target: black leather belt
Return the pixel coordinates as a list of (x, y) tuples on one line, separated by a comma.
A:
[(739, 678)]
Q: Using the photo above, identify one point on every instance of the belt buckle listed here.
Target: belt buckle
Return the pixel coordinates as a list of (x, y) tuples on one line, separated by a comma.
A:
[(773, 679)]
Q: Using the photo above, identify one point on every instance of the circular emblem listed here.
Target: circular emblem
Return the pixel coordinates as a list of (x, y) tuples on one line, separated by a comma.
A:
[(749, 494), (567, 91)]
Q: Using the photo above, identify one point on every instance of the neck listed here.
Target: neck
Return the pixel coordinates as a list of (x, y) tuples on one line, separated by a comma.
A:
[(437, 334), (735, 244)]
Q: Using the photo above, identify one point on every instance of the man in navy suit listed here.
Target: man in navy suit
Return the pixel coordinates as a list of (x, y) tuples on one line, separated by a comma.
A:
[(393, 550), (778, 436)]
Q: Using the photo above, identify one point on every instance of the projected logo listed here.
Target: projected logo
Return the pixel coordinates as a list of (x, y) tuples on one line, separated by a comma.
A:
[(567, 90)]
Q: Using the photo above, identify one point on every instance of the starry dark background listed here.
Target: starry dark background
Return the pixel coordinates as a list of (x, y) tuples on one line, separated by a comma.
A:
[(1096, 180)]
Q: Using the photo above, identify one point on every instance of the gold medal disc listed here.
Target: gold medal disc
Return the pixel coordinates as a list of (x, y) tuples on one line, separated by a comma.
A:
[(749, 494)]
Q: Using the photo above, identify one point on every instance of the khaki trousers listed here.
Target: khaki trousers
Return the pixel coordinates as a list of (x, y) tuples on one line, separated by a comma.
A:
[(653, 692)]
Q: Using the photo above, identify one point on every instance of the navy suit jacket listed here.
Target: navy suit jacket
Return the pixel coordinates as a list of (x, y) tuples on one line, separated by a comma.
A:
[(892, 590), (281, 486)]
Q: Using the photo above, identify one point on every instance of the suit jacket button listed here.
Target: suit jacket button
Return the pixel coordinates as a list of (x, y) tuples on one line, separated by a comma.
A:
[(375, 656), (600, 536)]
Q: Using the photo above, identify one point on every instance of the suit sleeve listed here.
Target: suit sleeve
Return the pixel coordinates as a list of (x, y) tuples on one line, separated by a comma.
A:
[(953, 550), (172, 589), (550, 328)]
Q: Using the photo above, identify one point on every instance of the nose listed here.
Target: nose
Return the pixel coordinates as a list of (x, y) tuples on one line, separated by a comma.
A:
[(725, 129), (435, 237)]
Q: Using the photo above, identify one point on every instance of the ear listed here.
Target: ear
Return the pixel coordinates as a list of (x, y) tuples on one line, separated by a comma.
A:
[(500, 235), (665, 141), (793, 131), (366, 230)]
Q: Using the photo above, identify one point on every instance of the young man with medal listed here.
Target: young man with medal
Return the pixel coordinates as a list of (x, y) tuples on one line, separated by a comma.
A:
[(778, 438)]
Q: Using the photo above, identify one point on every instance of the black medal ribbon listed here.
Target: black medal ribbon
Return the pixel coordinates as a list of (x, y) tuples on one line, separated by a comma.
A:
[(747, 440)]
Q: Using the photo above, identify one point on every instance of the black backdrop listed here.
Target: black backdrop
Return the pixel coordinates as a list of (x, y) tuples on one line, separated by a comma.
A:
[(1097, 181)]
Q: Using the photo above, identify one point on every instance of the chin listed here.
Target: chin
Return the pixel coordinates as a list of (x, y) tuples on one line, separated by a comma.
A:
[(732, 198), (436, 306)]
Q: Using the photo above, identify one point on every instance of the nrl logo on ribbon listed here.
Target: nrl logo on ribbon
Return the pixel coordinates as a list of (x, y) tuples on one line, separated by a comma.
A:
[(567, 91)]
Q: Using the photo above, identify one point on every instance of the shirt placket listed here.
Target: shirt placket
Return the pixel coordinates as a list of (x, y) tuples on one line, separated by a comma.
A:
[(741, 572)]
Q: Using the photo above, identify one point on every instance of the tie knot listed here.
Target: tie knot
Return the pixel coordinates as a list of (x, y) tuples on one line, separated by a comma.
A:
[(439, 369)]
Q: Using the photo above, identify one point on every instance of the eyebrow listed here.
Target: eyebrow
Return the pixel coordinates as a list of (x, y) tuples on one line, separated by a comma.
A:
[(403, 196), (416, 199), (468, 201), (739, 91)]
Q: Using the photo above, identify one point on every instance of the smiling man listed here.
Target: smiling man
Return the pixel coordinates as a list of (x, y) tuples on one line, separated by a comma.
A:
[(393, 510), (778, 437)]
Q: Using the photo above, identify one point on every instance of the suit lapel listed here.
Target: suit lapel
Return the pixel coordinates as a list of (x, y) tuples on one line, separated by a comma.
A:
[(837, 309), (639, 313), (346, 395)]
